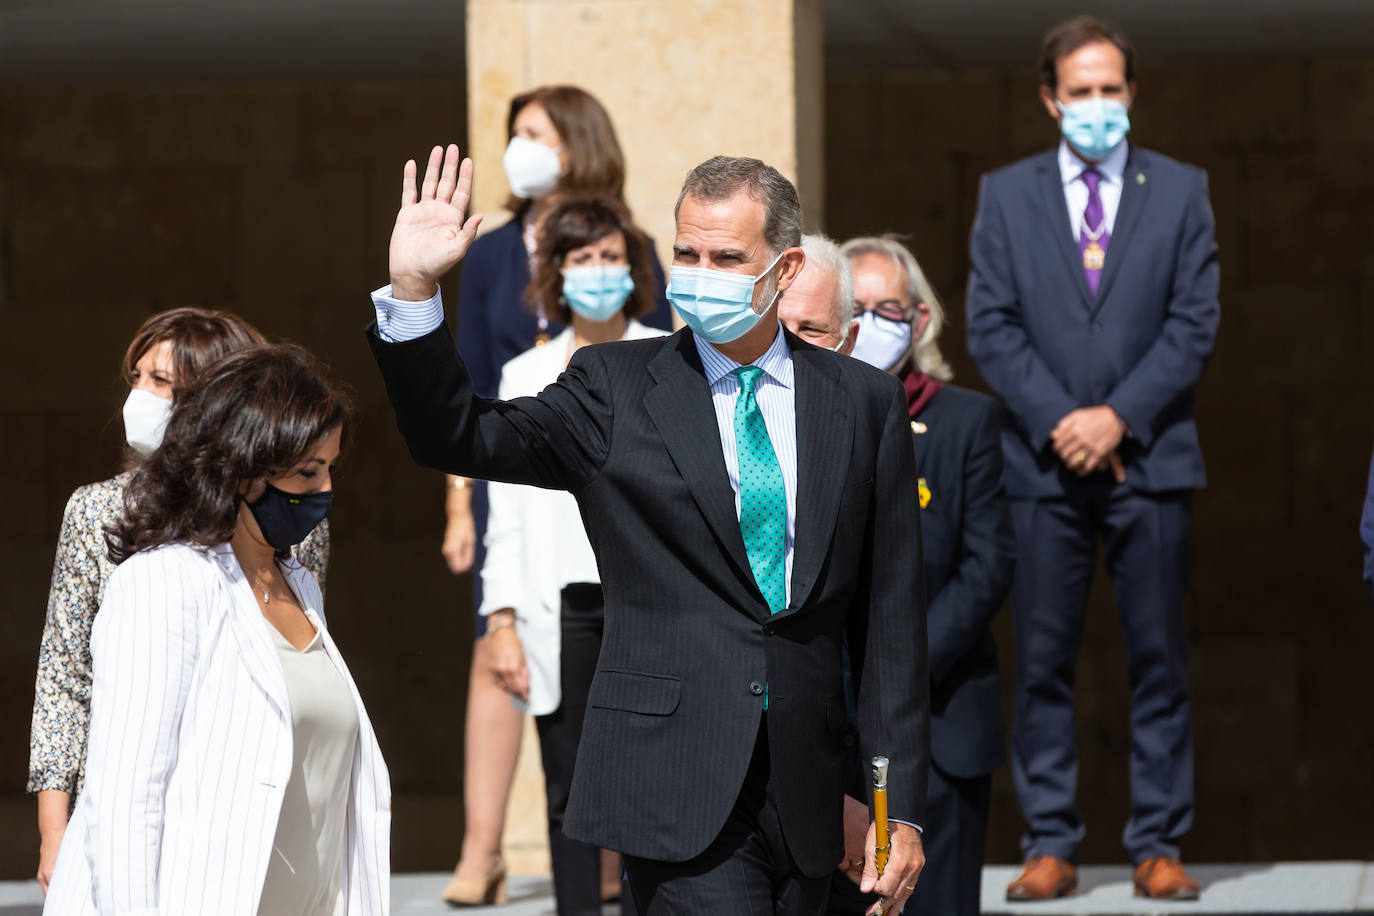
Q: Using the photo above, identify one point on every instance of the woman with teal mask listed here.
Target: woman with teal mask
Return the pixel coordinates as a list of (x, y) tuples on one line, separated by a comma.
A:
[(540, 585)]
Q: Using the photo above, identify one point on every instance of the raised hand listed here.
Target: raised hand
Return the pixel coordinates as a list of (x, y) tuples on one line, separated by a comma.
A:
[(432, 231)]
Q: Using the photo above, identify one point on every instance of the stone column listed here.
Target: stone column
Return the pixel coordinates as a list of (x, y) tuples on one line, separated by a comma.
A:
[(684, 80)]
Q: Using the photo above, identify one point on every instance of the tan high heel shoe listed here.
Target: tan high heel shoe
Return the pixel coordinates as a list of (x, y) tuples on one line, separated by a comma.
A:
[(487, 890)]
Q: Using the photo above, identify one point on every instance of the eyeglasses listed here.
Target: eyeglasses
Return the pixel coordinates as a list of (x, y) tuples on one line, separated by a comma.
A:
[(888, 309)]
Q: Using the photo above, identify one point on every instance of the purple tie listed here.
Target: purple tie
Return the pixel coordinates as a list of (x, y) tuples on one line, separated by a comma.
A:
[(1093, 237)]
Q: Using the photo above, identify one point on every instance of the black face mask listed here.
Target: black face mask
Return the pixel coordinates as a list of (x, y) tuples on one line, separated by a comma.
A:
[(285, 519)]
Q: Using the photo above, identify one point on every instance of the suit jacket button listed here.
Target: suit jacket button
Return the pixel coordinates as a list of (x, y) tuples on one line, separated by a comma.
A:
[(768, 629), (1095, 327), (756, 688)]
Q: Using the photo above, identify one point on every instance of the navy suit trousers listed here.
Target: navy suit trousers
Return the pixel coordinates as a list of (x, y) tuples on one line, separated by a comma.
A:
[(1145, 542)]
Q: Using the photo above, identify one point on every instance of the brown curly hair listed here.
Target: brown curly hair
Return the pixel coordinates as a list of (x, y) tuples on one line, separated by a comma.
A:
[(575, 222), (255, 414)]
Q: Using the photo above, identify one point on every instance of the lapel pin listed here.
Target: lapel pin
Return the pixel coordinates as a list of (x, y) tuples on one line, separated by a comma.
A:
[(917, 427), (1139, 177), (923, 491)]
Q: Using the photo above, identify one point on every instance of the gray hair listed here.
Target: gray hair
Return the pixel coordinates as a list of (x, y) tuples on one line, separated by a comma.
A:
[(924, 350), (822, 252), (722, 177)]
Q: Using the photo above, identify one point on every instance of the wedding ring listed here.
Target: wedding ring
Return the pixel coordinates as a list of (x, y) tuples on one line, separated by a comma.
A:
[(1081, 458), (856, 863), (911, 887)]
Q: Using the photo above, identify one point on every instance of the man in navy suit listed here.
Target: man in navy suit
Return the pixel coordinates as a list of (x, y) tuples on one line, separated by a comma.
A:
[(1367, 529), (1092, 310), (966, 553)]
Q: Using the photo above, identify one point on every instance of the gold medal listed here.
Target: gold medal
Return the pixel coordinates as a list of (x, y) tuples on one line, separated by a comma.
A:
[(1094, 256)]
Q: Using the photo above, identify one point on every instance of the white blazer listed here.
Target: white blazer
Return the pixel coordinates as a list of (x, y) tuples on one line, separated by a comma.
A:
[(523, 534), (190, 750)]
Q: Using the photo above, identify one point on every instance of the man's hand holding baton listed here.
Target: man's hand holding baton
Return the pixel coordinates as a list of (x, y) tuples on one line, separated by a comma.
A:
[(893, 858)]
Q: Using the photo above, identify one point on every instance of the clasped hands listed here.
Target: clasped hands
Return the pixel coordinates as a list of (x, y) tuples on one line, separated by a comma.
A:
[(1086, 441), (904, 862)]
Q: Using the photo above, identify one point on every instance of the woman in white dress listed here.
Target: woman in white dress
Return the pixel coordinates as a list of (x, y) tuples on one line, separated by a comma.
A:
[(232, 768), (540, 584)]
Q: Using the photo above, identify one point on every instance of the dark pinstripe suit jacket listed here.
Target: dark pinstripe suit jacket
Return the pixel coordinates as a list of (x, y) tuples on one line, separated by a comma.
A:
[(675, 707)]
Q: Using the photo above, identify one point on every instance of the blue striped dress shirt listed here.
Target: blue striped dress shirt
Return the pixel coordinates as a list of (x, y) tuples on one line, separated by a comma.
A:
[(776, 397)]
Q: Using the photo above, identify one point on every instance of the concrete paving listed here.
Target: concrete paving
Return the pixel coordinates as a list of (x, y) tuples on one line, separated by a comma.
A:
[(1294, 888)]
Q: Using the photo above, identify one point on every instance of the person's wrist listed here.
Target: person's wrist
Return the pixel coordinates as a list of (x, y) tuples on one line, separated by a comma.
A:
[(493, 629), (412, 288)]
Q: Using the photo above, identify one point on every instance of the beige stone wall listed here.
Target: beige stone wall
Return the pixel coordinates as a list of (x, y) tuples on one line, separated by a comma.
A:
[(1279, 624), (683, 81)]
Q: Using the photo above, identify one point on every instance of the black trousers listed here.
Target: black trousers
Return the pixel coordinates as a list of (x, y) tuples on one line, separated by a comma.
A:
[(746, 871), (1145, 541), (954, 840), (576, 866)]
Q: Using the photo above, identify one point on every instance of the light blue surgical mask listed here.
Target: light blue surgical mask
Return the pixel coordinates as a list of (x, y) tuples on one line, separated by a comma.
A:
[(882, 341), (717, 305), (597, 293), (1094, 126)]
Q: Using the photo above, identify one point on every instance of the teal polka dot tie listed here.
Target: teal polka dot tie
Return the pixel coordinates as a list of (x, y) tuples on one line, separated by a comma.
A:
[(762, 499)]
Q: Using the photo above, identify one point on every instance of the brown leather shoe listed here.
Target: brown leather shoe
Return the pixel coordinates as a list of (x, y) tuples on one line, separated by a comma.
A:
[(1163, 878), (1044, 878)]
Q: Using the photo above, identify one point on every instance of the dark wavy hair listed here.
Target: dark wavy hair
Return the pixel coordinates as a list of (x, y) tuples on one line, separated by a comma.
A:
[(578, 221), (253, 415)]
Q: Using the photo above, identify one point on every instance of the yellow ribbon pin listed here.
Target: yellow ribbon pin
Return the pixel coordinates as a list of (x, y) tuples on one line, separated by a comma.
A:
[(923, 491)]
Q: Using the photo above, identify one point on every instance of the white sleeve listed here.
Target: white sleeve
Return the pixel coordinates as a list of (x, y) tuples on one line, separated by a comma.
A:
[(143, 654), (502, 576), (399, 320), (503, 579)]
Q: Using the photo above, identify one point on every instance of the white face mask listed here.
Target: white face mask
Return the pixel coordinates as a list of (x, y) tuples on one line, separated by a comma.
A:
[(532, 169), (882, 341), (145, 420)]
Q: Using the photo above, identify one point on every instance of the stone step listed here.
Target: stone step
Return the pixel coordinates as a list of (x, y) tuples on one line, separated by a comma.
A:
[(1291, 888)]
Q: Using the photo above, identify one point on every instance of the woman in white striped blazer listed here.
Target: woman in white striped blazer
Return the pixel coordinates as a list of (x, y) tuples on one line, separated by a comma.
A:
[(232, 768)]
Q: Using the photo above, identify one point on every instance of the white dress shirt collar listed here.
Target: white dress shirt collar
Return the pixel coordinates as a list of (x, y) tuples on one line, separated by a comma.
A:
[(1112, 168), (776, 361)]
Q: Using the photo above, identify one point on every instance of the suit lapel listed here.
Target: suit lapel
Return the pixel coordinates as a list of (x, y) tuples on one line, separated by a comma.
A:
[(1135, 189), (1057, 213), (247, 625), (825, 434), (681, 409)]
